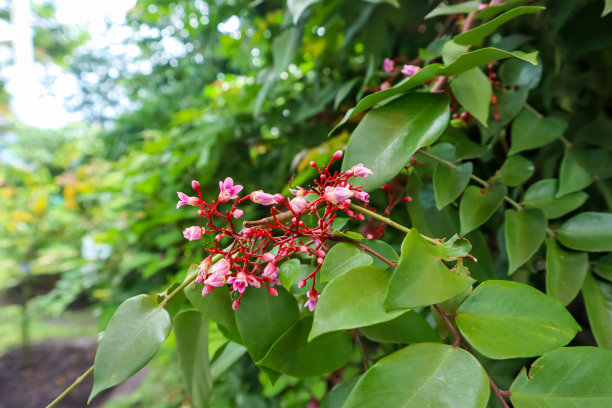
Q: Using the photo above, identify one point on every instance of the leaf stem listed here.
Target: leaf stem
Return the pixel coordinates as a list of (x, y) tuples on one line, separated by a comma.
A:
[(452, 328), (74, 384), (389, 222), (365, 249)]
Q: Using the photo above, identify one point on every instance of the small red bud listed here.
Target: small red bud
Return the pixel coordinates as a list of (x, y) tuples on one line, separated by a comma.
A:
[(301, 284), (195, 185), (319, 260), (272, 292), (303, 249), (201, 213), (236, 305), (337, 155), (313, 163), (360, 217)]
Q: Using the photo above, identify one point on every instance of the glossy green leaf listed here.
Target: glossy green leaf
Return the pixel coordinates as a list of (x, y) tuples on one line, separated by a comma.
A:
[(425, 216), (262, 318), (598, 301), (354, 299), (409, 327), (478, 205), (524, 232), (572, 377), (288, 272), (384, 249), (565, 272), (191, 332), (420, 278), (473, 91), (423, 375), (131, 339), (482, 269), (607, 8), (578, 169), (297, 7), (587, 231), (515, 171), (216, 306), (294, 355), (477, 34), (285, 48), (388, 136), (393, 3), (541, 194), (516, 72), (342, 258), (443, 9), (228, 356), (344, 90), (450, 182), (530, 131), (337, 395), (504, 319)]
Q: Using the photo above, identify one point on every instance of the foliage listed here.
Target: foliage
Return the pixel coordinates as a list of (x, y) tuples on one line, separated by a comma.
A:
[(494, 120)]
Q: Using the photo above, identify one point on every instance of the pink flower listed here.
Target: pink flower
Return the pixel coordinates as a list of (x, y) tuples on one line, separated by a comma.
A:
[(206, 290), (483, 6), (204, 266), (337, 194), (270, 274), (237, 213), (313, 297), (242, 280), (410, 70), (228, 190), (359, 170), (185, 199), (388, 65), (363, 196), (260, 197), (298, 192), (221, 268), (298, 204), (193, 233), (216, 280)]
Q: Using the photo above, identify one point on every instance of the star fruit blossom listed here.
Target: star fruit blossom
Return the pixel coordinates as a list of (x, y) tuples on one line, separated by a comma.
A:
[(258, 248)]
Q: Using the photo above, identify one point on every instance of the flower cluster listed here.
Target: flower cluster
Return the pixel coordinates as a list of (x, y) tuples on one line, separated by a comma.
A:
[(256, 249)]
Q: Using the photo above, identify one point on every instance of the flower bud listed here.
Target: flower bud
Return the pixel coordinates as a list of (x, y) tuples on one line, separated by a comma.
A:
[(313, 163), (201, 213), (337, 155), (279, 198), (236, 305), (319, 260), (303, 249), (268, 257), (195, 185), (193, 233), (237, 213), (207, 289), (301, 284), (272, 292)]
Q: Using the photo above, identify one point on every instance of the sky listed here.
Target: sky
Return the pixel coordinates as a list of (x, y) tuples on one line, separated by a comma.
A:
[(40, 105)]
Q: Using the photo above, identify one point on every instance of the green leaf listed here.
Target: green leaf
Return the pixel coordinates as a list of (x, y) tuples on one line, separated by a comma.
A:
[(473, 91), (420, 278), (262, 318), (409, 327), (578, 169), (229, 355), (515, 171), (565, 272), (383, 249), (336, 397), (354, 299), (603, 267), (482, 57), (450, 182), (393, 3), (344, 90), (607, 8), (588, 231), (423, 375), (520, 73), (478, 205), (541, 194), (444, 9), (285, 47), (482, 269), (297, 7), (191, 332), (294, 355), (463, 63), (504, 319), (477, 34), (340, 259), (216, 306), (566, 378), (530, 131), (352, 235), (524, 232), (131, 339), (598, 301), (288, 272), (494, 10), (388, 136)]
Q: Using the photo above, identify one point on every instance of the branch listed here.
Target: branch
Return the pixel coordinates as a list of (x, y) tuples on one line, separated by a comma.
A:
[(365, 249), (73, 386)]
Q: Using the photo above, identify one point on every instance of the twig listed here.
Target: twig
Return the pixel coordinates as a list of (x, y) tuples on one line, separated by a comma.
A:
[(444, 316), (74, 384), (365, 249), (366, 358)]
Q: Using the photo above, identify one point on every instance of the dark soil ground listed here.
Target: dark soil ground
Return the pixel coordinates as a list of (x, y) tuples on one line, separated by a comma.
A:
[(52, 367)]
